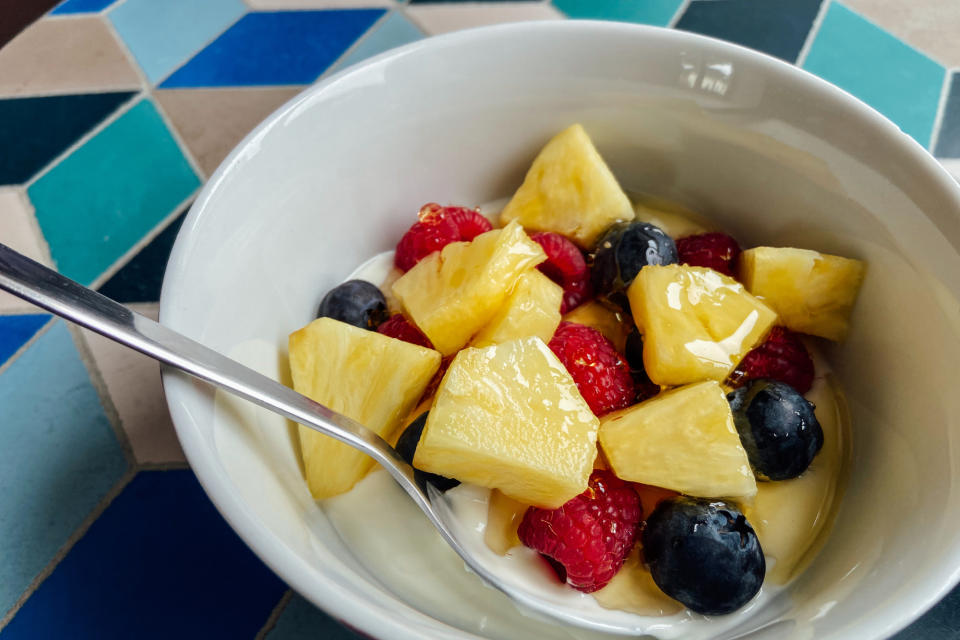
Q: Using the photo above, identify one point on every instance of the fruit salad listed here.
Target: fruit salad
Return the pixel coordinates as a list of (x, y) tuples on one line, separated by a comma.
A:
[(643, 400)]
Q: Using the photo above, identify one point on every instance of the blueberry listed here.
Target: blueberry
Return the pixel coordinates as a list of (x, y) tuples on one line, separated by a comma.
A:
[(777, 427), (355, 302), (623, 250), (704, 554), (407, 446)]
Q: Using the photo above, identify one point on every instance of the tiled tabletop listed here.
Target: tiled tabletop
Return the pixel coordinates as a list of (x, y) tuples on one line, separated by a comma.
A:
[(112, 114)]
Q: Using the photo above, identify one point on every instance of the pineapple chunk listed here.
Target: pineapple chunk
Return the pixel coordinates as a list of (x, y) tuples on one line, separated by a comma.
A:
[(569, 190), (672, 219), (698, 323), (371, 378), (684, 440), (533, 309), (604, 319), (504, 515), (453, 293), (812, 292), (510, 417)]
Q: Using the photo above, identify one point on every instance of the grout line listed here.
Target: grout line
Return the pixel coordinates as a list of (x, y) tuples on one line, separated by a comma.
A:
[(46, 257), (812, 35), (29, 343), (73, 91), (110, 8), (941, 110), (682, 9), (178, 139), (75, 537), (274, 615), (197, 51), (332, 68)]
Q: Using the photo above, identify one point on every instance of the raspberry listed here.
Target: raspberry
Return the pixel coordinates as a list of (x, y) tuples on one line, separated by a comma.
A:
[(400, 328), (567, 267), (602, 375), (782, 357), (587, 539), (436, 228), (717, 251)]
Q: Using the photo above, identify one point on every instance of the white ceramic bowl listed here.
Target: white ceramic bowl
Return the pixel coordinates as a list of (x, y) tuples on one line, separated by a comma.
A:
[(771, 153)]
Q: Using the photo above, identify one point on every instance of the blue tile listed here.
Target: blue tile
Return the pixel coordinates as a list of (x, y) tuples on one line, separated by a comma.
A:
[(33, 131), (58, 458), (655, 12), (777, 27), (16, 331), (81, 6), (284, 47), (102, 199), (394, 31), (303, 621), (162, 34), (948, 140), (896, 80), (141, 278), (159, 562)]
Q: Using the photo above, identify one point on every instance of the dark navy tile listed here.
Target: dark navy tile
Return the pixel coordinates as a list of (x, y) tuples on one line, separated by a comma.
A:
[(33, 131), (777, 27), (273, 48), (948, 141), (15, 331), (82, 6), (139, 280), (941, 622), (300, 620), (159, 563)]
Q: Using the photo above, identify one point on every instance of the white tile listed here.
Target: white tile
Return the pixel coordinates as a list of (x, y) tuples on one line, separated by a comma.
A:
[(278, 5), (441, 18), (19, 231), (133, 381)]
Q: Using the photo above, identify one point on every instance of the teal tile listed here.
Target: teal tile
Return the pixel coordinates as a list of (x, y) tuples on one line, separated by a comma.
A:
[(393, 31), (102, 199), (58, 457), (895, 79), (655, 12)]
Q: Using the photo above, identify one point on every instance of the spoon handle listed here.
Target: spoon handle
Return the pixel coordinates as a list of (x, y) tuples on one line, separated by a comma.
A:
[(48, 289)]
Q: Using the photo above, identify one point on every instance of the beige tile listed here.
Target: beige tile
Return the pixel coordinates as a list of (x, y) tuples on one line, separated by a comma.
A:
[(65, 55), (277, 5), (932, 26), (212, 121), (441, 18), (133, 381), (18, 231)]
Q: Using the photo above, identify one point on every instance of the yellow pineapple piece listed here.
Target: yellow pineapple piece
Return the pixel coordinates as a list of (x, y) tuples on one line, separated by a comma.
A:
[(674, 220), (812, 292), (633, 589), (371, 378), (569, 190), (453, 293), (609, 322), (683, 440), (533, 309), (509, 417), (697, 323), (504, 515)]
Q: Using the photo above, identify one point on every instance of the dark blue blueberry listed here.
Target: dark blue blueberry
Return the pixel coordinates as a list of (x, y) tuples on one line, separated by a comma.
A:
[(704, 554), (777, 427), (633, 352), (355, 302), (623, 250), (407, 447)]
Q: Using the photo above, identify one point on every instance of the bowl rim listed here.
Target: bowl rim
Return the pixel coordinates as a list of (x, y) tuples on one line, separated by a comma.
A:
[(325, 593)]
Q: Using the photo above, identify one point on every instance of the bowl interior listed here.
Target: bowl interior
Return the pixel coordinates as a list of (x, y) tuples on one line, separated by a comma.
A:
[(771, 154)]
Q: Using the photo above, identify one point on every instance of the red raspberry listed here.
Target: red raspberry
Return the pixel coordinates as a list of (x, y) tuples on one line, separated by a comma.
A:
[(400, 328), (567, 267), (436, 228), (782, 356), (717, 251), (587, 539), (602, 375)]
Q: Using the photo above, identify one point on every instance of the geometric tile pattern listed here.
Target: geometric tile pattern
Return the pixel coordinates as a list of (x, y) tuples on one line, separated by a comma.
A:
[(109, 110)]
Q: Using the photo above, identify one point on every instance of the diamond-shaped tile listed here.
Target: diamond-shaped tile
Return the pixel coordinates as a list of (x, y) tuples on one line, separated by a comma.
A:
[(159, 562), (301, 620), (283, 5), (445, 17), (655, 12), (394, 31), (16, 331), (81, 6), (931, 26), (33, 131), (58, 458), (65, 55), (777, 27), (102, 199), (162, 34), (948, 140), (212, 121), (17, 231), (895, 79), (275, 48)]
